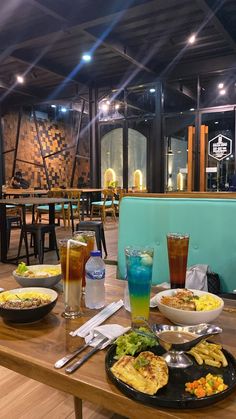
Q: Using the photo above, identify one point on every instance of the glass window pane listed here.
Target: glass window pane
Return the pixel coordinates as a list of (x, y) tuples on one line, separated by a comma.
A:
[(179, 136), (137, 158), (111, 156), (220, 151), (180, 96), (217, 90)]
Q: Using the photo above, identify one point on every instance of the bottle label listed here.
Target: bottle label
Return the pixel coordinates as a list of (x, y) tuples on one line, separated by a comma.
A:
[(96, 274)]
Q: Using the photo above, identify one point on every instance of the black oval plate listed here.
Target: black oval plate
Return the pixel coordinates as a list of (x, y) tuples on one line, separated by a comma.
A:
[(173, 395)]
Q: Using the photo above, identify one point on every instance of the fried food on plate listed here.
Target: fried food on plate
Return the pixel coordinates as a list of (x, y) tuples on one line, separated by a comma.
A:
[(209, 353), (146, 373)]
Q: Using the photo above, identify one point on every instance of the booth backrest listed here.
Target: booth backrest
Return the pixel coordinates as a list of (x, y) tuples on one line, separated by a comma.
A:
[(210, 223)]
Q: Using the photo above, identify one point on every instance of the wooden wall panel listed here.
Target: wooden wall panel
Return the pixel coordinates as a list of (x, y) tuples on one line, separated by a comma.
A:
[(55, 136)]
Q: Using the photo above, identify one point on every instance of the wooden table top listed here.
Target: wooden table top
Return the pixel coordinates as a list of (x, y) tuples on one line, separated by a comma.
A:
[(32, 350), (22, 192), (84, 190), (34, 201)]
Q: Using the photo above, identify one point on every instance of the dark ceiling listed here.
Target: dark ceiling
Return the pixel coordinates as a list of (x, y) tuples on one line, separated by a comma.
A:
[(132, 41)]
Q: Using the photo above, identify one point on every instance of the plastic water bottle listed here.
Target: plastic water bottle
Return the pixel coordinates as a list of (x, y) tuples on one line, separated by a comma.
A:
[(95, 278)]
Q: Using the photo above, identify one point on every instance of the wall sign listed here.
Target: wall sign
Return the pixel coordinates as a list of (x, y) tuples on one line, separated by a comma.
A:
[(220, 147)]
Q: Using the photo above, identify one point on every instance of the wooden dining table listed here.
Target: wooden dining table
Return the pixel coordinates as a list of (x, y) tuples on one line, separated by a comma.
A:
[(32, 350), (24, 192)]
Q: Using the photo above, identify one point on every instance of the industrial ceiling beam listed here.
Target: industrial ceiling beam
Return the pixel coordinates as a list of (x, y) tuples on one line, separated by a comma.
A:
[(119, 50), (204, 67), (47, 66), (216, 21)]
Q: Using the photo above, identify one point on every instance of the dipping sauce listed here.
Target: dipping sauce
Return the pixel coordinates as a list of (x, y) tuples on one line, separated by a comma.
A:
[(177, 337)]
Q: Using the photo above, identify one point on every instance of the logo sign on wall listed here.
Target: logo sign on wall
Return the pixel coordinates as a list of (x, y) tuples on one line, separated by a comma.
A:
[(220, 147)]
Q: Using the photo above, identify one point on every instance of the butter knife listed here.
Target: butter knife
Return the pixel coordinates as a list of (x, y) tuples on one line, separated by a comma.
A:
[(82, 360), (63, 361)]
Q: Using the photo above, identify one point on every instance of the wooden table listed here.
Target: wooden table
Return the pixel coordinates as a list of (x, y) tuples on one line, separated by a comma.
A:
[(24, 192), (32, 350), (22, 202)]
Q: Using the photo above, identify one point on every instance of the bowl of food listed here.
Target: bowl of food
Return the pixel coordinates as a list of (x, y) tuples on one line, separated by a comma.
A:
[(45, 276), (189, 307), (27, 305)]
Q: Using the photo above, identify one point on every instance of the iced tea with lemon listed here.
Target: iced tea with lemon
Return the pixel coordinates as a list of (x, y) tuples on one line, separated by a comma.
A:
[(72, 266), (87, 237)]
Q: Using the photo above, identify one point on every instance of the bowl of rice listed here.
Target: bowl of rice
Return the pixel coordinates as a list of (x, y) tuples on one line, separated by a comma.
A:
[(27, 305), (45, 276), (189, 307)]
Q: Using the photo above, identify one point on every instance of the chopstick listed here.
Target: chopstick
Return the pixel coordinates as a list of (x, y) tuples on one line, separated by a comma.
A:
[(97, 319)]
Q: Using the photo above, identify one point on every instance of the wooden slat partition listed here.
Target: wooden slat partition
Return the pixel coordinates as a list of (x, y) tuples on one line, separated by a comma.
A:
[(203, 138), (191, 137)]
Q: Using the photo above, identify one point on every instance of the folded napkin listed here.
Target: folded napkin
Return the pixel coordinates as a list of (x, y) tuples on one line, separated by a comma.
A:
[(110, 331), (196, 277), (98, 319)]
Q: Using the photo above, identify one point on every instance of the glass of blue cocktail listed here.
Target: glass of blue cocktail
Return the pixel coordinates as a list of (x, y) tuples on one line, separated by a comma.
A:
[(139, 262)]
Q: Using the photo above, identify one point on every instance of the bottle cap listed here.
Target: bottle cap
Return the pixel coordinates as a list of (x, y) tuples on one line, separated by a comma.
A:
[(95, 253)]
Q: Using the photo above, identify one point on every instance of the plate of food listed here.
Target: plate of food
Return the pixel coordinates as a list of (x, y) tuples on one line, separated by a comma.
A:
[(37, 275), (189, 307), (27, 305), (145, 377)]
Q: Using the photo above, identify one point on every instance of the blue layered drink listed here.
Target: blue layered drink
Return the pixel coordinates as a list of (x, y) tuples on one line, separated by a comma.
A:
[(139, 262)]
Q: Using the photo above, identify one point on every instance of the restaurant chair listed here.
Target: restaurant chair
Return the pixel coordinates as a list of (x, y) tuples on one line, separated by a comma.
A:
[(105, 206), (13, 220), (97, 227), (37, 231), (59, 208), (75, 196), (119, 193)]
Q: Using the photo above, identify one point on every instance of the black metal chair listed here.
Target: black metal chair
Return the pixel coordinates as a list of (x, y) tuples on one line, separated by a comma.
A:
[(38, 232), (97, 227), (13, 221)]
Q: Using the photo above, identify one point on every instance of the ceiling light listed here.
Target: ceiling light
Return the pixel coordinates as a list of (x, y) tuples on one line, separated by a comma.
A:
[(220, 85), (117, 106), (152, 90), (108, 102), (192, 109), (104, 107), (216, 122), (53, 106), (20, 79), (63, 109), (192, 39), (222, 92), (86, 57)]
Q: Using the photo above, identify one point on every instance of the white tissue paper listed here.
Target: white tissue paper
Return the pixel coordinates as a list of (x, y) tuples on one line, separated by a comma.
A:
[(196, 277), (110, 331)]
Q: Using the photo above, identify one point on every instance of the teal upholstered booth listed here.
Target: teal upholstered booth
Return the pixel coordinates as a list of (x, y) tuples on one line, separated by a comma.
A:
[(211, 224)]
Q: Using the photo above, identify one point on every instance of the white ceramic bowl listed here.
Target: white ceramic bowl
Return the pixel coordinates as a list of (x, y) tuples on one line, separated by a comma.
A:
[(183, 317), (46, 282)]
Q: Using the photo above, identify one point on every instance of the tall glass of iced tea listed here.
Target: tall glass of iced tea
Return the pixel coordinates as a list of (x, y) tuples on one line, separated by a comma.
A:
[(72, 255), (89, 238), (178, 255)]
